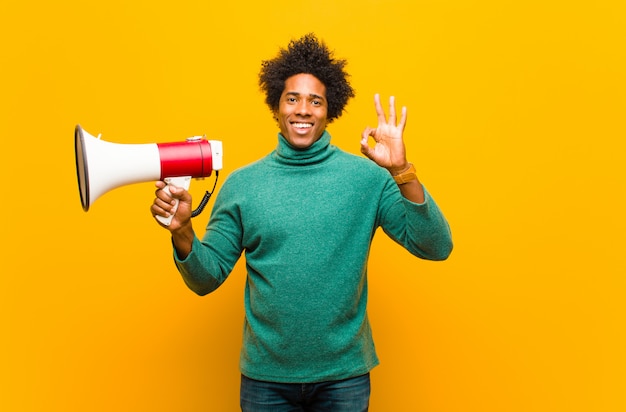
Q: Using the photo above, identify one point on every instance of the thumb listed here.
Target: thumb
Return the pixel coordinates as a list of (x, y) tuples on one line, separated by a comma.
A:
[(179, 193)]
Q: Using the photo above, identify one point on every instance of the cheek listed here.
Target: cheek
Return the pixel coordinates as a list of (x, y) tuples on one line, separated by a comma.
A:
[(323, 112), (323, 115)]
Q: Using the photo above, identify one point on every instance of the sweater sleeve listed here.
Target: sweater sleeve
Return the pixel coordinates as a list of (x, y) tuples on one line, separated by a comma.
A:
[(213, 258), (421, 228)]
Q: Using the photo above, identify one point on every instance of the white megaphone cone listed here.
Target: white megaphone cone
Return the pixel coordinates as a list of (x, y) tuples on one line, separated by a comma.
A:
[(102, 166)]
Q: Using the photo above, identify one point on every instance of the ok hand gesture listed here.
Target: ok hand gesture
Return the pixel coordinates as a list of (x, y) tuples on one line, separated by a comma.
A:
[(388, 151)]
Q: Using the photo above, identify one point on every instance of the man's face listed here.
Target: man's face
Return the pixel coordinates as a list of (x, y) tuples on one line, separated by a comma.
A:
[(302, 110)]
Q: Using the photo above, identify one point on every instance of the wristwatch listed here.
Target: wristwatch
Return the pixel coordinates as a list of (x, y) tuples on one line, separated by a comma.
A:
[(406, 176)]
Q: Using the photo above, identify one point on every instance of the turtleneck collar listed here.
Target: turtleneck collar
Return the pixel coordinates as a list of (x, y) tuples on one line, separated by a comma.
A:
[(285, 153)]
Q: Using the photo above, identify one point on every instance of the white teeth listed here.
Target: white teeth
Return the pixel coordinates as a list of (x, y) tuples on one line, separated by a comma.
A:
[(302, 125)]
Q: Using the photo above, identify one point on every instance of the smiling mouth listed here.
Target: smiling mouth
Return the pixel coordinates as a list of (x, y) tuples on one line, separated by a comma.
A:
[(302, 125)]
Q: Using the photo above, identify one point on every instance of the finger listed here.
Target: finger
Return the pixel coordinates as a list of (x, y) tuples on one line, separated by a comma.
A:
[(163, 196), (365, 136), (180, 193), (403, 118), (366, 149), (392, 110), (165, 205), (370, 132), (176, 191), (379, 109), (157, 210)]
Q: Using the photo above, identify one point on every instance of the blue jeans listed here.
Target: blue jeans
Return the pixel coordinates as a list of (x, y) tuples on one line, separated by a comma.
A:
[(348, 395)]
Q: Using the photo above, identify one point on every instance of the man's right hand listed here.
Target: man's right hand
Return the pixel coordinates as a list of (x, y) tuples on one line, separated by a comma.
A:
[(165, 206)]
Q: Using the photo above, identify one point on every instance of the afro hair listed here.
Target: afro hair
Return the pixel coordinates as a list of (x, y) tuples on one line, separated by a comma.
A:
[(311, 56)]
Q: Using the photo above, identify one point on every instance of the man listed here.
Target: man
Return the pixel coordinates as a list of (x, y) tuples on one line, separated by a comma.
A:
[(305, 216)]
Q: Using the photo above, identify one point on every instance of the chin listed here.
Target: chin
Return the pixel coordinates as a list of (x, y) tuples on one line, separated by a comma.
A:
[(302, 142)]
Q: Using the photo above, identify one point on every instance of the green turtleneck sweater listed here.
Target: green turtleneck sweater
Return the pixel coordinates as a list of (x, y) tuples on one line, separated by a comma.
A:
[(305, 220)]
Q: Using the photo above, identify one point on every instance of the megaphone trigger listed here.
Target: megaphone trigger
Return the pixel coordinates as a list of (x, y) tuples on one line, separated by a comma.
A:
[(179, 181)]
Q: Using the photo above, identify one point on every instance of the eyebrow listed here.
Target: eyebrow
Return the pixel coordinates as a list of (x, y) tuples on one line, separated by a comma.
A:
[(313, 95)]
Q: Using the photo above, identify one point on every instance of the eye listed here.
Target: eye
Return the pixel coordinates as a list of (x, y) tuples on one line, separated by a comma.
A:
[(291, 99)]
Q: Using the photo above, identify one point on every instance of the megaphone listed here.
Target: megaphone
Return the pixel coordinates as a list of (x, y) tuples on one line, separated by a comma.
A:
[(102, 166)]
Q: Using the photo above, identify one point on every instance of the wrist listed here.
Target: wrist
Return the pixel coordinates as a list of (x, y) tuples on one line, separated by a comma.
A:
[(406, 175), (395, 171)]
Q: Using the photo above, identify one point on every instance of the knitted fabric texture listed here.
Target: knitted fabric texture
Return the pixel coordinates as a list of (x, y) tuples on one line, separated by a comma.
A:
[(305, 220)]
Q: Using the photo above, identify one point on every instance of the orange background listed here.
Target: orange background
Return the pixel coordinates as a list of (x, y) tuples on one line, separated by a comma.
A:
[(516, 125)]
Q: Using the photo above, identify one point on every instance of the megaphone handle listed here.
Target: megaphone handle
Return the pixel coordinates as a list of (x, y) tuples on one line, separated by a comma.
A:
[(182, 181)]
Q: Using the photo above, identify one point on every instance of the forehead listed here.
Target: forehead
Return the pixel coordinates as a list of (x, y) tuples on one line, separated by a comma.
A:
[(305, 84)]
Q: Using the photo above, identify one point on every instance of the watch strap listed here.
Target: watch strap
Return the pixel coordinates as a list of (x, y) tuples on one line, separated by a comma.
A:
[(406, 176)]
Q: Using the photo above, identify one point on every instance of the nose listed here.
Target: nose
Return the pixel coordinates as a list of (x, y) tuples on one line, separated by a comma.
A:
[(302, 108)]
